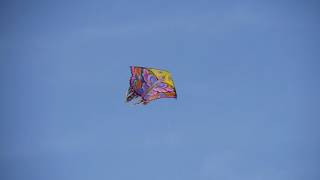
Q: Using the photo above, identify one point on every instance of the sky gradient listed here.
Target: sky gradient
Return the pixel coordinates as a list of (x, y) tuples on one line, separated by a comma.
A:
[(246, 74)]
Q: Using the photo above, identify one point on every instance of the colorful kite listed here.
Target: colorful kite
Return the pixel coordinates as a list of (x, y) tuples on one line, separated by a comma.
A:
[(147, 84)]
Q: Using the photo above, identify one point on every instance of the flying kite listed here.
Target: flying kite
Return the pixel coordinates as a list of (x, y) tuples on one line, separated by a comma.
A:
[(148, 84)]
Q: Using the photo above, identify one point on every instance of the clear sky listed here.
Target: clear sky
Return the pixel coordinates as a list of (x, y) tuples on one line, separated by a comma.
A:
[(246, 74)]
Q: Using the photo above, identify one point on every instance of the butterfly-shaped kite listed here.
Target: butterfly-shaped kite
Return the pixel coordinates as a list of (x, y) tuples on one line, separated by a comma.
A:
[(147, 84)]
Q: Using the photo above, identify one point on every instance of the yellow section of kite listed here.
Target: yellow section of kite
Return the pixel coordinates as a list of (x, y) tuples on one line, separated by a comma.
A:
[(163, 75)]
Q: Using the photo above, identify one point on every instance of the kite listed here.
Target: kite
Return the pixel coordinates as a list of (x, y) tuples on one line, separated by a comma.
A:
[(148, 84)]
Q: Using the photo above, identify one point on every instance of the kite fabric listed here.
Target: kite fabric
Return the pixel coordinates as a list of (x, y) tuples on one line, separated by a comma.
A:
[(148, 84)]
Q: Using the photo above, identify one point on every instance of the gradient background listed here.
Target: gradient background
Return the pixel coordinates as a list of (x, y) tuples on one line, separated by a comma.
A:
[(246, 73)]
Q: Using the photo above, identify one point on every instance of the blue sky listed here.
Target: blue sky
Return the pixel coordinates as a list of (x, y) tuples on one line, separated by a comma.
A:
[(246, 74)]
